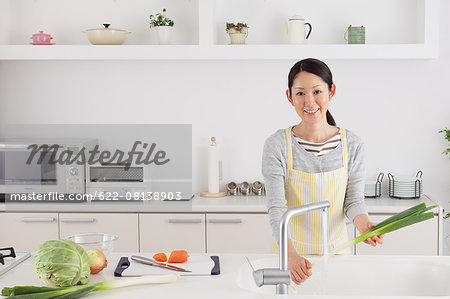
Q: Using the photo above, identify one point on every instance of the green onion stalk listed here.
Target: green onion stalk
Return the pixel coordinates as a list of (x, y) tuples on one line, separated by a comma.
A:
[(406, 218), (32, 292)]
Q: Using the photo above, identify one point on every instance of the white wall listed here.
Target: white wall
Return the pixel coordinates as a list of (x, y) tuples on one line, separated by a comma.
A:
[(397, 107)]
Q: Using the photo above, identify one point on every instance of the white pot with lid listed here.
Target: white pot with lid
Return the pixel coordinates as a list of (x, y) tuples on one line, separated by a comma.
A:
[(106, 36)]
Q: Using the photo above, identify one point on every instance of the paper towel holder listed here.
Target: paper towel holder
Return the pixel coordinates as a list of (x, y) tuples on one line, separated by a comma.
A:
[(220, 193)]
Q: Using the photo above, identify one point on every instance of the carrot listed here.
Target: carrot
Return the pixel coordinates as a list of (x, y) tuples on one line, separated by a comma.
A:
[(178, 256), (160, 257)]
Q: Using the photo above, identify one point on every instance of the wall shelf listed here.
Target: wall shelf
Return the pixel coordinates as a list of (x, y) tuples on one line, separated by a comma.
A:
[(216, 52), (207, 46)]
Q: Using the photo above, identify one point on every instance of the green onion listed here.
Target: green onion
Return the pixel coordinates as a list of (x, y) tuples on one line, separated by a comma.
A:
[(31, 292), (408, 217)]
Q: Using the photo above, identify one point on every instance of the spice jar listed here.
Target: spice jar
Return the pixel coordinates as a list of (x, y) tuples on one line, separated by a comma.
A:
[(257, 188), (245, 188), (232, 188)]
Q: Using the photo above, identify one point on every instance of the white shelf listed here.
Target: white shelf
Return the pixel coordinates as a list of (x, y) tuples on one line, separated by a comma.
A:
[(208, 49), (216, 52)]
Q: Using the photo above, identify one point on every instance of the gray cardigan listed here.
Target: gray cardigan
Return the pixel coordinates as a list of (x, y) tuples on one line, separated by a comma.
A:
[(274, 162)]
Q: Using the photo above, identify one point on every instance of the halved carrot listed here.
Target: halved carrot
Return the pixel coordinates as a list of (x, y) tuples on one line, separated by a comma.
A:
[(160, 257), (178, 256)]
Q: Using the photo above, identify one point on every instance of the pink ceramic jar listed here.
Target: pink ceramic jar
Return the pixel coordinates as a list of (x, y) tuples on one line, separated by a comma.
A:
[(41, 38)]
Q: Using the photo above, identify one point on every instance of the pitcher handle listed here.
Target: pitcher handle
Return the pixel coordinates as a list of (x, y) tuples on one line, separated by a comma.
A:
[(346, 32), (310, 29)]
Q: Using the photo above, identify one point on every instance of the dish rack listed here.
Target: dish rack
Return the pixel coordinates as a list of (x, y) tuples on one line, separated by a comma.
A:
[(377, 186), (408, 194)]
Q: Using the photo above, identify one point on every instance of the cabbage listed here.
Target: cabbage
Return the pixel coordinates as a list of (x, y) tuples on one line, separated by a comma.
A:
[(61, 263)]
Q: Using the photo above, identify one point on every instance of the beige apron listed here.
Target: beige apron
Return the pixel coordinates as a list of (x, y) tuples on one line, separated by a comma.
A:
[(303, 188)]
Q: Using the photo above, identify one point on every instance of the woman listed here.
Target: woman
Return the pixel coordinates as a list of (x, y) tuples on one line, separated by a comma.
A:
[(311, 162)]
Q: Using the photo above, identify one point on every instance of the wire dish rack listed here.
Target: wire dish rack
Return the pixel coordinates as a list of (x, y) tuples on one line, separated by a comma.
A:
[(373, 189), (406, 187)]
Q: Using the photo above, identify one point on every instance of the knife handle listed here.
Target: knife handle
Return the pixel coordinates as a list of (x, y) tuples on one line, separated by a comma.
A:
[(123, 264)]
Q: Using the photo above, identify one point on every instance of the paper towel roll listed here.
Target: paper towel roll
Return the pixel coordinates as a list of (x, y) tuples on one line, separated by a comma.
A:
[(213, 167)]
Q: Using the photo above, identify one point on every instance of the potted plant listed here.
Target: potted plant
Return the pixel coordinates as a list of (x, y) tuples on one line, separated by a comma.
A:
[(237, 33), (446, 151), (163, 26)]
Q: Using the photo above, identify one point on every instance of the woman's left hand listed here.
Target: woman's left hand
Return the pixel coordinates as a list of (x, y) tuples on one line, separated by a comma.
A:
[(363, 224)]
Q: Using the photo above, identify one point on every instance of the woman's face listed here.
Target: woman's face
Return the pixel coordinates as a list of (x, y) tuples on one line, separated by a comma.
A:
[(310, 97)]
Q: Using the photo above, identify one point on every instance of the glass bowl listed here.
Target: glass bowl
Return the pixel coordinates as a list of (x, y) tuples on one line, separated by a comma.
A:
[(100, 241)]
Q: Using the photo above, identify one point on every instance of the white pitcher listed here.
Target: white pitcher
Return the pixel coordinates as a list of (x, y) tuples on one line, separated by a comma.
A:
[(295, 30)]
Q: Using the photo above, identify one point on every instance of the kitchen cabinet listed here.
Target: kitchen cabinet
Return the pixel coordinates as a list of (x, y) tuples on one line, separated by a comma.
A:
[(123, 225), (167, 232), (26, 231), (351, 233), (418, 239), (238, 233), (410, 29)]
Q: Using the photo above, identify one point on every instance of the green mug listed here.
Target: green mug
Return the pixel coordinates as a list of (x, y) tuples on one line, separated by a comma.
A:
[(356, 35)]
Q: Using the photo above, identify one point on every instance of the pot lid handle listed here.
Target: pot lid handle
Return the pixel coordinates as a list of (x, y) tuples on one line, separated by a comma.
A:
[(106, 25)]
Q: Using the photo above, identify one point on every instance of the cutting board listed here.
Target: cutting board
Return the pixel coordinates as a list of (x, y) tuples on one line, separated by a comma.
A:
[(200, 265)]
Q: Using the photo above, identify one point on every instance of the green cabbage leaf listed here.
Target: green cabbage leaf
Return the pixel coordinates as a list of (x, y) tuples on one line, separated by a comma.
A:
[(61, 263)]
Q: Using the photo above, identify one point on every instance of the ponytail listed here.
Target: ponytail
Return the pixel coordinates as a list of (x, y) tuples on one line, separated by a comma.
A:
[(330, 119)]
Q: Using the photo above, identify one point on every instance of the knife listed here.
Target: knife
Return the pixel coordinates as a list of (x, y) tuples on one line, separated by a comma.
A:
[(151, 262)]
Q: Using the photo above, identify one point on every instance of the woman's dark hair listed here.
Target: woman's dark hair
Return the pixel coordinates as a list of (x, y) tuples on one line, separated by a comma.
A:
[(318, 68)]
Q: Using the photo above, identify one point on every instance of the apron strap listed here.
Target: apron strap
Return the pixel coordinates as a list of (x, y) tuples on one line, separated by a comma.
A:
[(289, 147), (344, 148)]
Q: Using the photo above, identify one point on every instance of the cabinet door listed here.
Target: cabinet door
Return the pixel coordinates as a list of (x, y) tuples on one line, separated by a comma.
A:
[(351, 233), (167, 232), (26, 231), (123, 225), (417, 239), (238, 233)]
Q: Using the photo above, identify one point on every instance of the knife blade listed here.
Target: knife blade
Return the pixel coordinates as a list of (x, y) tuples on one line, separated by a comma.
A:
[(151, 262)]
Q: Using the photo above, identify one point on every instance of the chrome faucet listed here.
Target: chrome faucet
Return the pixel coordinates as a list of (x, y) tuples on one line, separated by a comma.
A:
[(282, 277)]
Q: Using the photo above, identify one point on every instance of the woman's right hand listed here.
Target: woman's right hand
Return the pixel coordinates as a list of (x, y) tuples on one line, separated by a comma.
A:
[(300, 267)]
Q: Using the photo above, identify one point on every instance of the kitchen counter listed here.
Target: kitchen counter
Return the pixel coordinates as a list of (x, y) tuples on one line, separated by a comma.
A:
[(185, 287), (229, 204), (219, 286)]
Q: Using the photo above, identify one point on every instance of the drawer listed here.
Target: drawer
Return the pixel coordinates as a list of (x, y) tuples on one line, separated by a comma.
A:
[(167, 232), (26, 231), (238, 233), (123, 225)]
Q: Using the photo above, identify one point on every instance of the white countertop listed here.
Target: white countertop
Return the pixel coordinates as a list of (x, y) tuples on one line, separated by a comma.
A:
[(219, 286), (228, 204), (184, 287)]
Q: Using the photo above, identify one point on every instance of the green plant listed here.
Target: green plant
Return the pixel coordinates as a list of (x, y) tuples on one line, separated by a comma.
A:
[(160, 19), (239, 27), (447, 136), (446, 152)]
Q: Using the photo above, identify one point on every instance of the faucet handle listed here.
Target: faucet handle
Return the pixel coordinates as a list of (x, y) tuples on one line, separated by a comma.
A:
[(271, 276)]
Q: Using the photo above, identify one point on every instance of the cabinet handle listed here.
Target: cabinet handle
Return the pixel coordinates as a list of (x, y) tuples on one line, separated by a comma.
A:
[(38, 219), (185, 220), (225, 220), (77, 220)]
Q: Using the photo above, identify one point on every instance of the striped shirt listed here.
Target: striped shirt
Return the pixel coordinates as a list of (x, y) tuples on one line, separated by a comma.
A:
[(320, 149)]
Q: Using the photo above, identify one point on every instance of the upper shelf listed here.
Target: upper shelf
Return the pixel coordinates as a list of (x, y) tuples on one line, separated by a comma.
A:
[(216, 52), (201, 35)]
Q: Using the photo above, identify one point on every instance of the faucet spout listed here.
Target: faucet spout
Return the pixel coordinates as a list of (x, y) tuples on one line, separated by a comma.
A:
[(281, 277), (284, 226)]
